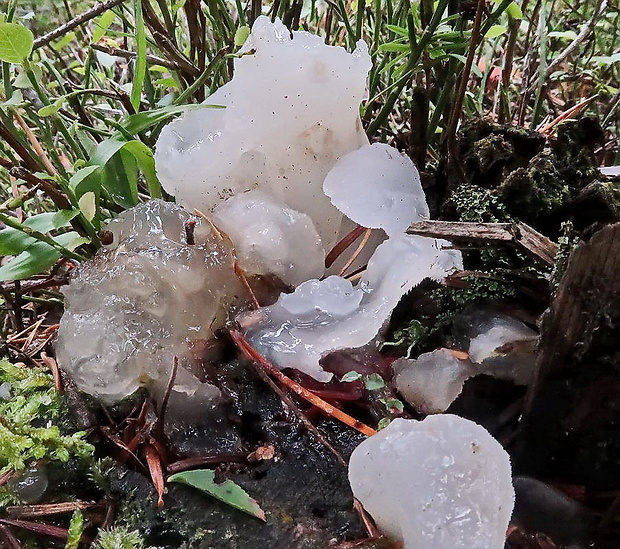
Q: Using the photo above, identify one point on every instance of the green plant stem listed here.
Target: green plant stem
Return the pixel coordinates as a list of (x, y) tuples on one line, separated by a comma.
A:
[(413, 59), (200, 81), (75, 146)]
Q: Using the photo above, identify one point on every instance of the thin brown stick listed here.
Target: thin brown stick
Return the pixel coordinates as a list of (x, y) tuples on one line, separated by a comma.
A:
[(304, 393), (47, 163), (10, 539), (89, 14), (53, 366), (46, 509), (464, 80), (161, 417), (244, 280), (213, 459), (356, 253), (295, 409), (55, 195), (346, 241), (44, 529), (152, 59)]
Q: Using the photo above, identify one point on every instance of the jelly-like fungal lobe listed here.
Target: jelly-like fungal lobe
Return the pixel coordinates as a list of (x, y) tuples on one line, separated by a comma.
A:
[(443, 482), (433, 381), (146, 298), (377, 187), (322, 316), (291, 111), (269, 237), (498, 345)]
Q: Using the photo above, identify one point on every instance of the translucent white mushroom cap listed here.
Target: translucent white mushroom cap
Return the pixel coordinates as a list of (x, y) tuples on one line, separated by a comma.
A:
[(269, 237), (443, 482), (377, 187), (322, 316), (291, 111)]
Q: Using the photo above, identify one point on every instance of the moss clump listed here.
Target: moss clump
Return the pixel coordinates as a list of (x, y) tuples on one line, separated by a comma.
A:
[(29, 419), (477, 204), (119, 538), (537, 191)]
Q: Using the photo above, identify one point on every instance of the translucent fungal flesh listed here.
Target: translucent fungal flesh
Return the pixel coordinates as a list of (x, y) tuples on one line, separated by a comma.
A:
[(433, 381), (269, 237), (321, 316), (499, 345), (291, 111), (443, 482), (377, 187), (148, 297)]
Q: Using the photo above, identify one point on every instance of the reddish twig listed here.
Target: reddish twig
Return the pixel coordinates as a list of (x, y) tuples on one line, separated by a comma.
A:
[(346, 241), (244, 280), (304, 393), (53, 366), (213, 459), (153, 460), (164, 403), (43, 529), (356, 253)]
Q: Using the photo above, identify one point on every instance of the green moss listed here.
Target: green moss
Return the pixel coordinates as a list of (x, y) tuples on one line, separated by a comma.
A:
[(119, 538), (29, 419), (477, 204)]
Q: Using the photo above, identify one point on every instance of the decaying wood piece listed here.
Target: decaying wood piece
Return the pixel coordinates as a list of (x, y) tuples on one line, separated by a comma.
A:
[(518, 234), (588, 294)]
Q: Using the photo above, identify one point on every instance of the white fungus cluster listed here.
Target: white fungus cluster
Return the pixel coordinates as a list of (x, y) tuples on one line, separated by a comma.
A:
[(443, 482), (291, 111), (283, 171)]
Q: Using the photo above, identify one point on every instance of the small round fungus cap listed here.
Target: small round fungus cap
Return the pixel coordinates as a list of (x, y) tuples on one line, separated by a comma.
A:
[(377, 187), (443, 482)]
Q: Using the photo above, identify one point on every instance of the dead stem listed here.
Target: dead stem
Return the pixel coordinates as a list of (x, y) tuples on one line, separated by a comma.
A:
[(356, 253), (304, 393)]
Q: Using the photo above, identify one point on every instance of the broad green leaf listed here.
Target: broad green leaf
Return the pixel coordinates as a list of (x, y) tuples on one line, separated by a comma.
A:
[(59, 45), (228, 492), (142, 155), (52, 108), (120, 179), (374, 382), (84, 180), (513, 9), (16, 99), (22, 81), (38, 257), (146, 163), (564, 35), (14, 242), (495, 31), (102, 24), (15, 42)]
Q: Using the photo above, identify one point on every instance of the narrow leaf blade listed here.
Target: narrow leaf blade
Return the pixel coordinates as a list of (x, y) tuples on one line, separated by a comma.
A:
[(227, 492)]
